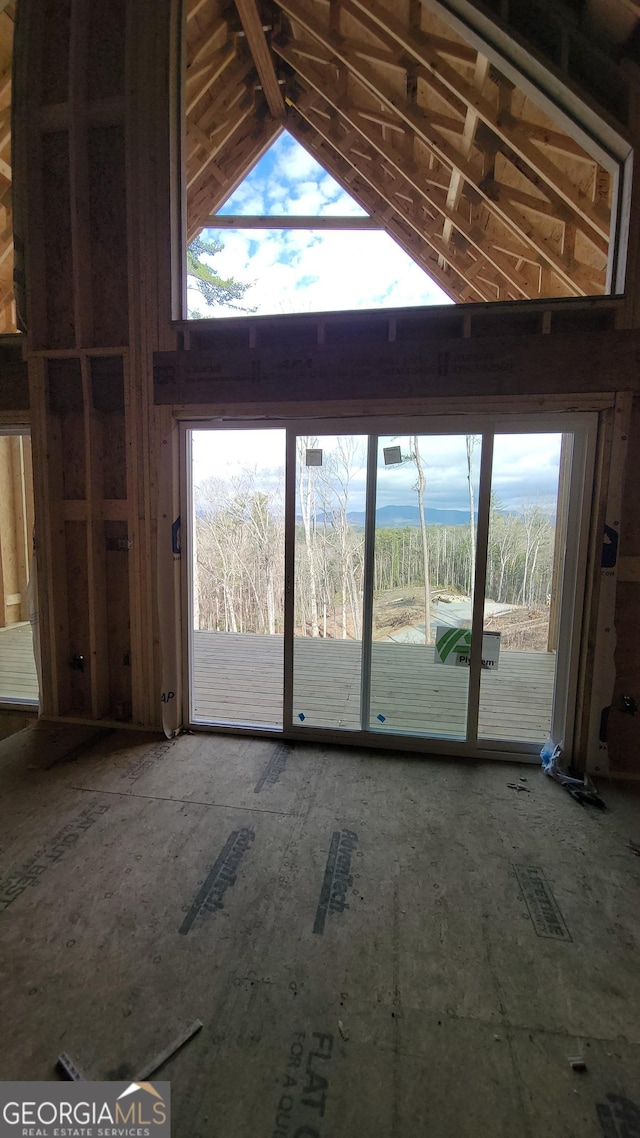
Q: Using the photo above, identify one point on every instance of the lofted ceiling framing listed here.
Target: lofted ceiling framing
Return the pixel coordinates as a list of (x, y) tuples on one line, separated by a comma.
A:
[(487, 192)]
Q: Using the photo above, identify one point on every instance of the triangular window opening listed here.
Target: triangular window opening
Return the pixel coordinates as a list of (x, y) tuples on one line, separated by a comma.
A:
[(286, 270)]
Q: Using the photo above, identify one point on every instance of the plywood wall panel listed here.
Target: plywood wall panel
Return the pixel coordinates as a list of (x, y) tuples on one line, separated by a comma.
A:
[(113, 456), (109, 425), (9, 564), (118, 619), (56, 250), (105, 74), (630, 529), (54, 18), (74, 471), (65, 408), (108, 228), (79, 648)]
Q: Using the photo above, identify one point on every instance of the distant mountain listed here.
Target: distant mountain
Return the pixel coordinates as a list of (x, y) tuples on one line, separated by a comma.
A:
[(392, 517)]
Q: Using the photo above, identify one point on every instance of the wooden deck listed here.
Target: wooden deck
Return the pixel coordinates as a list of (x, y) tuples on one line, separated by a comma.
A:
[(18, 676), (237, 678)]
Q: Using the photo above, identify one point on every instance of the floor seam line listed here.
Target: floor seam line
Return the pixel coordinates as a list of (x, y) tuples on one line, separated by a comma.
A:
[(184, 801)]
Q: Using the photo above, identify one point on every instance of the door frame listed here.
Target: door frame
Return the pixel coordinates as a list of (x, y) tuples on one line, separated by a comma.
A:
[(17, 703), (583, 425)]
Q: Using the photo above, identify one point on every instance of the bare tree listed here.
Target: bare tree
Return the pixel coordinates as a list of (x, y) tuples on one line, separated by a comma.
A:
[(420, 488), (337, 473), (307, 504)]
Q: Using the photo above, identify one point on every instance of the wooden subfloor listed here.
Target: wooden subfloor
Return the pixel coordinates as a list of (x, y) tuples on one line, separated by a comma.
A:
[(377, 945), (18, 676), (237, 678)]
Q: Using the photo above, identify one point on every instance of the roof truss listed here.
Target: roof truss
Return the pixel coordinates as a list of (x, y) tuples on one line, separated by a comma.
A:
[(480, 186)]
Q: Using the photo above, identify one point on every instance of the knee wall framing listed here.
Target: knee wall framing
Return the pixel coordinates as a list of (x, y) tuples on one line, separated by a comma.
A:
[(91, 95)]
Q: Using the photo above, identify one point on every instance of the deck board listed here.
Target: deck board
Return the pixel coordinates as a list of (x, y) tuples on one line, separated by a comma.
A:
[(238, 679), (18, 675)]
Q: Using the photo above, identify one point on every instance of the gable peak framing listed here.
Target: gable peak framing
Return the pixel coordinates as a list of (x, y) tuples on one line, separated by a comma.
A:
[(480, 186)]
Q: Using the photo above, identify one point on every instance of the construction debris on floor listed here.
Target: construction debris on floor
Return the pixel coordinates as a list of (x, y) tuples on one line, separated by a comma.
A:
[(377, 945)]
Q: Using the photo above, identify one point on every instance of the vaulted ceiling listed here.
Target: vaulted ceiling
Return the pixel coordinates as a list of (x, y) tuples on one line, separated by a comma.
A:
[(473, 175), (488, 191)]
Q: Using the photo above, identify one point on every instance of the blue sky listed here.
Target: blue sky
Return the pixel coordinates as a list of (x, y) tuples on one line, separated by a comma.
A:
[(305, 271)]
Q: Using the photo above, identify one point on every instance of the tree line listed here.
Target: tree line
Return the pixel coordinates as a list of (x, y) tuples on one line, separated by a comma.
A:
[(519, 558)]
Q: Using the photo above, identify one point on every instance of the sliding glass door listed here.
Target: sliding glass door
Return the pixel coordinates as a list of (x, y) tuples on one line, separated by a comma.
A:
[(410, 581), (523, 586), (330, 478), (423, 571), (236, 589)]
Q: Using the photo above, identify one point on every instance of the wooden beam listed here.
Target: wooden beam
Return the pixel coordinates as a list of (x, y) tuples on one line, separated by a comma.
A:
[(196, 70), (542, 206), (390, 123), (252, 24), (291, 221)]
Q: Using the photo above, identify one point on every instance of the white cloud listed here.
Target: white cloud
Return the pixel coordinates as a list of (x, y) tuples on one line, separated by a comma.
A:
[(348, 270), (294, 162)]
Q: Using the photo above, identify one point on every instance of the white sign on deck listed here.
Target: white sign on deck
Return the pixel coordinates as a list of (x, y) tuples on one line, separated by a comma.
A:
[(453, 647)]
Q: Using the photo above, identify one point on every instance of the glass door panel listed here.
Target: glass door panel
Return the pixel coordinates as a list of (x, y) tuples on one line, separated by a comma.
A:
[(525, 562), (424, 561), (329, 568), (237, 631)]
